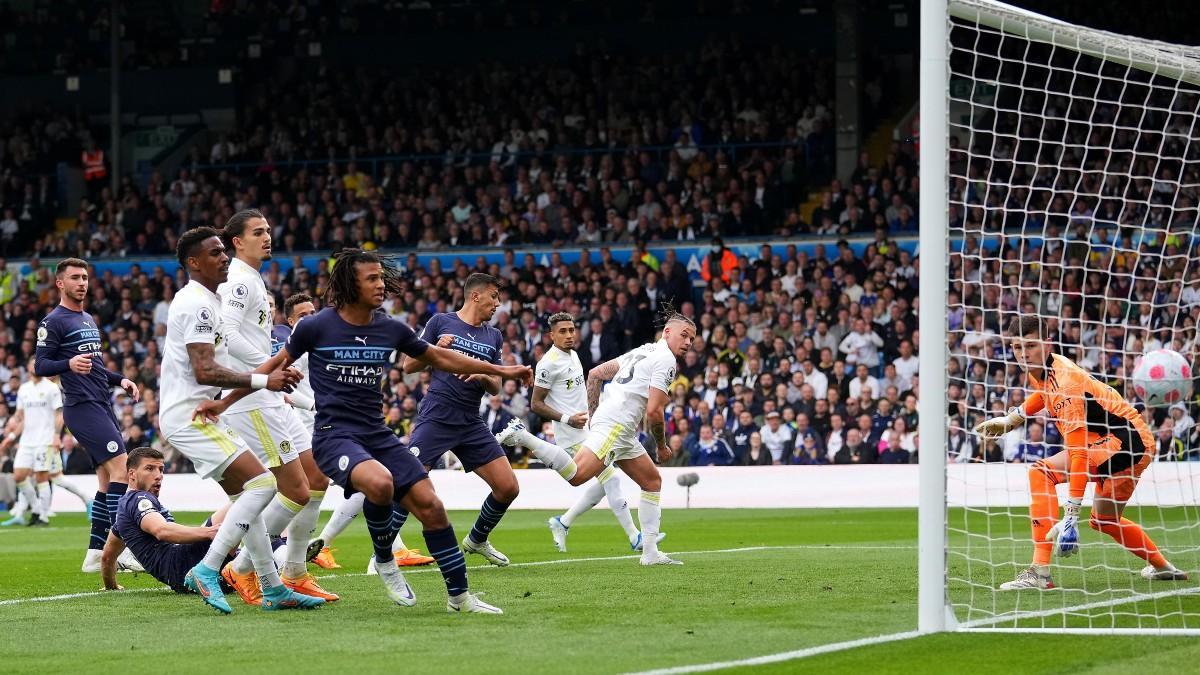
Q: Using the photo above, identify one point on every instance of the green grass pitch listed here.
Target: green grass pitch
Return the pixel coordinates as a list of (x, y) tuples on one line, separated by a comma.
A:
[(804, 578)]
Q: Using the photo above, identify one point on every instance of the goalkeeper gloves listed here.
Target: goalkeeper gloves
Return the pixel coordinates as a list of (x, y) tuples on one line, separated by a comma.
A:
[(1065, 533), (998, 426)]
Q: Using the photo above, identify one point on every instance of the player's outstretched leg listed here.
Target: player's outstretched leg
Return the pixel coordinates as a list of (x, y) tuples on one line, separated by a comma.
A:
[(643, 472), (247, 506), (1043, 511), (377, 483), (319, 549), (405, 557), (59, 483), (498, 474), (549, 454), (421, 501)]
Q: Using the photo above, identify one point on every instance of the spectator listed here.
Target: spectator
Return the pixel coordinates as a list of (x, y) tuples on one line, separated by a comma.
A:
[(741, 432), (778, 438), (1170, 448), (855, 451), (710, 451), (757, 454), (810, 454), (1033, 447), (891, 452), (720, 263)]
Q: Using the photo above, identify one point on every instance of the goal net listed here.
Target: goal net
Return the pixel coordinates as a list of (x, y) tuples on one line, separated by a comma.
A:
[(1072, 159)]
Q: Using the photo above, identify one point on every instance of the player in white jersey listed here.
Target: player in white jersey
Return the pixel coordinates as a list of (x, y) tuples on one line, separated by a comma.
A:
[(192, 374), (637, 391), (558, 395), (271, 427), (38, 423)]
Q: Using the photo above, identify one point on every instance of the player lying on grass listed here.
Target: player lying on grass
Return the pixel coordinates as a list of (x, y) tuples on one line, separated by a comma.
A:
[(1107, 443), (166, 548)]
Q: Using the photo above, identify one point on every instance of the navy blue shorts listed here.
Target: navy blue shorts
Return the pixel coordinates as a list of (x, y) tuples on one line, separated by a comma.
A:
[(183, 557), (95, 427), (468, 437), (337, 452)]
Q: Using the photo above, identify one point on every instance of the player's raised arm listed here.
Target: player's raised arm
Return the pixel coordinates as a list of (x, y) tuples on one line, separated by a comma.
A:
[(460, 364), (278, 367)]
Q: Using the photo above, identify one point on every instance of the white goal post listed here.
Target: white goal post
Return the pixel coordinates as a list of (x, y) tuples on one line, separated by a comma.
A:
[(1050, 153)]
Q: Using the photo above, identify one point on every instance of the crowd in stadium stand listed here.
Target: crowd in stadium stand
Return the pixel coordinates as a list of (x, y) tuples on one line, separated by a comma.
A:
[(804, 358)]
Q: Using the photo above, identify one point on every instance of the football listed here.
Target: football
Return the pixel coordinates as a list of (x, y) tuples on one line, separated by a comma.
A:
[(1162, 377)]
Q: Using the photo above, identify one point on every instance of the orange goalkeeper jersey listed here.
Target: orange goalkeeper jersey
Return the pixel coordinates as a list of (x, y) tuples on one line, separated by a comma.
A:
[(1097, 424)]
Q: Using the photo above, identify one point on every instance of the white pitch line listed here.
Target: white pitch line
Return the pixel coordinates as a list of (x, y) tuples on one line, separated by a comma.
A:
[(72, 596), (536, 563), (563, 561), (785, 656)]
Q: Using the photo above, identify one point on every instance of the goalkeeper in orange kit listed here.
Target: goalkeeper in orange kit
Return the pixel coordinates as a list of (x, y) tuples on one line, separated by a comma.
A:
[(1107, 442)]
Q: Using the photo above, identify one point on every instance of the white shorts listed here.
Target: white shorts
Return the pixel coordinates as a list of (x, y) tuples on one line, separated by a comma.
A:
[(302, 428), (32, 457), (211, 447), (612, 442), (54, 461), (268, 432)]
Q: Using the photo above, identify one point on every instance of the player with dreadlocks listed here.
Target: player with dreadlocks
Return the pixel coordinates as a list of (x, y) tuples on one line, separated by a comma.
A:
[(639, 383), (349, 344)]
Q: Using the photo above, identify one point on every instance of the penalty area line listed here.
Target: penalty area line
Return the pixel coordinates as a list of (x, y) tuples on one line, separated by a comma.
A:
[(785, 656)]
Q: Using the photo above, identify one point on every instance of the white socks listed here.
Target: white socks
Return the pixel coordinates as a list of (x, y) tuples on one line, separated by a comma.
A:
[(649, 513), (347, 511), (246, 510), (259, 546), (66, 485), (619, 505), (276, 516), (299, 533), (607, 485), (551, 455), (589, 499), (43, 495), (27, 491)]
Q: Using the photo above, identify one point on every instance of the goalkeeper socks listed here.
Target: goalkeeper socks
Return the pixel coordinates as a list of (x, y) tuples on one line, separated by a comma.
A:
[(100, 523), (347, 511), (443, 546), (618, 503), (489, 517), (246, 507), (550, 454), (1042, 511), (650, 513), (382, 527), (1131, 535), (299, 532), (588, 500)]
